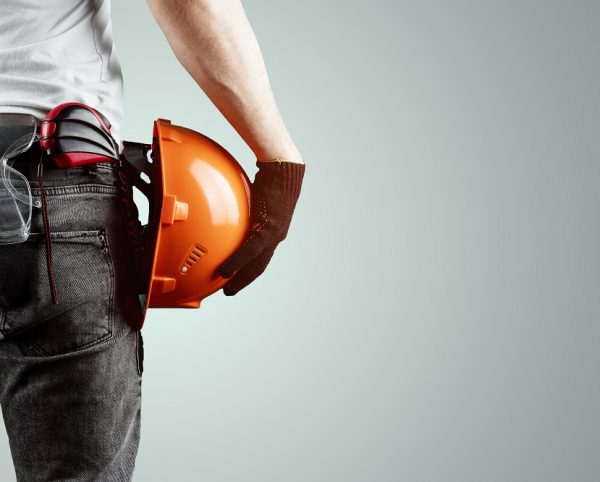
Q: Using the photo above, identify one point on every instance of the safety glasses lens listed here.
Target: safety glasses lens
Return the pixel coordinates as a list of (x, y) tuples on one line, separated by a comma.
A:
[(17, 133), (15, 215)]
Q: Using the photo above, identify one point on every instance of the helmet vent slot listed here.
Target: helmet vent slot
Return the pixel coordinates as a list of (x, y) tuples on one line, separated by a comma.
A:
[(194, 255)]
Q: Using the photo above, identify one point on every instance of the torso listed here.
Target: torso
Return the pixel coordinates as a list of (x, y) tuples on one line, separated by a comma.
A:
[(55, 51)]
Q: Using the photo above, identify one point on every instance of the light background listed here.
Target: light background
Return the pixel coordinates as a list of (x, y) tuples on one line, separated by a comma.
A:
[(434, 314)]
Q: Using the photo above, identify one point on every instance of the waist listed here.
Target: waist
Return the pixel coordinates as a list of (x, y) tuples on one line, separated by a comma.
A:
[(19, 131), (27, 163), (38, 105)]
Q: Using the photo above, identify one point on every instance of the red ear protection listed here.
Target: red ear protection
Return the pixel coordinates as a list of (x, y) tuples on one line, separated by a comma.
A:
[(75, 134)]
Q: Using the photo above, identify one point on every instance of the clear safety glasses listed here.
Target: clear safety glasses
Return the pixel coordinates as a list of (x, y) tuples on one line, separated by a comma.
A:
[(17, 134)]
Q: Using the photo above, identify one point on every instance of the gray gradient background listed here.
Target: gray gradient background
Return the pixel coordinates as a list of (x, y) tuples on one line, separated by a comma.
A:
[(434, 314)]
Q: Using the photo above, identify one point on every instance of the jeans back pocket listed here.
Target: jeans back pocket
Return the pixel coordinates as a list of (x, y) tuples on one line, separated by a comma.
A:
[(85, 282)]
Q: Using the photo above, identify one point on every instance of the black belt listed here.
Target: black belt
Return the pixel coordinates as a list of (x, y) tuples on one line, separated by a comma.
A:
[(28, 161)]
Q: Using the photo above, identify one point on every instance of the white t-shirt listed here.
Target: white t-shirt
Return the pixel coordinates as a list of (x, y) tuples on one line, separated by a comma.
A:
[(55, 51)]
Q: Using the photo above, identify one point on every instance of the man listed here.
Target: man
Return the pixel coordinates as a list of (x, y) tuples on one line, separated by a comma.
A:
[(70, 373)]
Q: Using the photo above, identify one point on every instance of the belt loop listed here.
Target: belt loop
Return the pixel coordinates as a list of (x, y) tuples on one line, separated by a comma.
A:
[(93, 168)]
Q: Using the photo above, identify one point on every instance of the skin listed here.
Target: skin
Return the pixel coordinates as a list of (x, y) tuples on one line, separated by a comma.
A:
[(215, 43)]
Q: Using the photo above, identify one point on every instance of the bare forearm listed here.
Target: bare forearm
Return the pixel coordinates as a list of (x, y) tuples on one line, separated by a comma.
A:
[(215, 43)]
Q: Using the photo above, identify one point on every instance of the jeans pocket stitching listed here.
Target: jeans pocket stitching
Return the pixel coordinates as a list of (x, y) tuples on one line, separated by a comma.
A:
[(76, 189), (111, 267)]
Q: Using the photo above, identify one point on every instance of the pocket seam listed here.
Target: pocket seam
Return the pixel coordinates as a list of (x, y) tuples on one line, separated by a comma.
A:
[(59, 236), (76, 189)]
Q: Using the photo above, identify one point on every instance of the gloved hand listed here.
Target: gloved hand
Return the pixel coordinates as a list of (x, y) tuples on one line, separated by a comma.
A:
[(273, 196)]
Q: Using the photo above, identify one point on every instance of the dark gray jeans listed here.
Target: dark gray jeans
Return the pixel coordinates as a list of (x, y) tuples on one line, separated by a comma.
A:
[(71, 373)]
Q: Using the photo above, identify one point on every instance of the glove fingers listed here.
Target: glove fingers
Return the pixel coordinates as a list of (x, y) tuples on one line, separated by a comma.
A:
[(248, 273), (251, 248)]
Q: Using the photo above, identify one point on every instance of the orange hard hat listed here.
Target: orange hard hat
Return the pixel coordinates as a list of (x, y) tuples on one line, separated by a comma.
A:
[(199, 211)]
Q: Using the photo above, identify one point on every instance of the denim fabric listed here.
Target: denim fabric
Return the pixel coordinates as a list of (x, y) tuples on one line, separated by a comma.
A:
[(71, 373)]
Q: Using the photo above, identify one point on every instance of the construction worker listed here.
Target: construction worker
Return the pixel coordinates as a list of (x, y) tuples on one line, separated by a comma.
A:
[(71, 370)]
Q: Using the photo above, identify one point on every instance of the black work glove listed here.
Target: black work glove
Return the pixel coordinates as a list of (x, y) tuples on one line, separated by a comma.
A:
[(273, 198)]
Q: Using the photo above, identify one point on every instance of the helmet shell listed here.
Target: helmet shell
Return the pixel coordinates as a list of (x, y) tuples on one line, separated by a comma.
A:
[(204, 216)]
